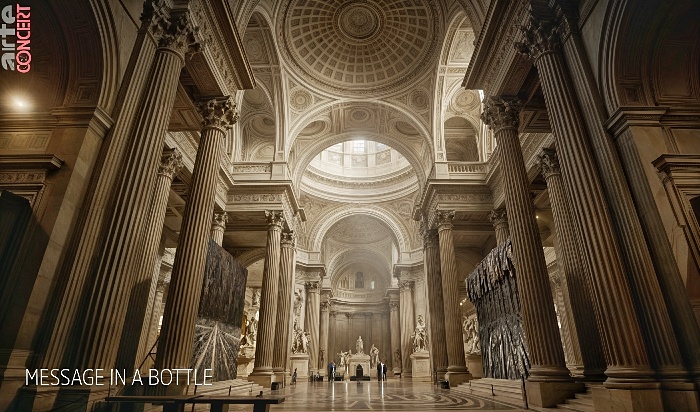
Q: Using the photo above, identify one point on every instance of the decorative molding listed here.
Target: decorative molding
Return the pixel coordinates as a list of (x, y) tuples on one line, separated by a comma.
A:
[(219, 113)]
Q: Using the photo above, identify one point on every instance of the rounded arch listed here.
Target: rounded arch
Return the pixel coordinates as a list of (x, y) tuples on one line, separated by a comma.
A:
[(69, 71), (636, 46), (342, 261), (249, 257), (386, 117), (401, 237)]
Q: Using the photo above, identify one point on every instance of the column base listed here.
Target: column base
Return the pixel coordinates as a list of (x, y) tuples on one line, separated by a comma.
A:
[(687, 401), (81, 398), (34, 398), (457, 376), (640, 400), (264, 380), (549, 394)]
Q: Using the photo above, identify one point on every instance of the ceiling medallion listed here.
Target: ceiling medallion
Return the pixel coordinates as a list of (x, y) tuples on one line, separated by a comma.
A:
[(359, 21)]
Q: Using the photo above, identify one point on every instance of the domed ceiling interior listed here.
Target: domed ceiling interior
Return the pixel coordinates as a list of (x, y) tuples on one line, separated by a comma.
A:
[(359, 99)]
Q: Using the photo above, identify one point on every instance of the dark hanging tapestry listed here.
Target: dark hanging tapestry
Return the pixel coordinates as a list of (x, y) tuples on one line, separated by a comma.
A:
[(493, 289), (217, 333)]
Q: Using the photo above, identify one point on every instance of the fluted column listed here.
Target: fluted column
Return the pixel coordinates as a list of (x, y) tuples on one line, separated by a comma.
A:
[(110, 271), (268, 302), (457, 365), (218, 227), (395, 335), (284, 302), (407, 325), (180, 315), (628, 359), (323, 337), (431, 261), (586, 353), (135, 333), (312, 322), (499, 220), (539, 318)]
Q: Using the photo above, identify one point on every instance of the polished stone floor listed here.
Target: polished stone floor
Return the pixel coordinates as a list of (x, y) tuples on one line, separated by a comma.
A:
[(393, 395)]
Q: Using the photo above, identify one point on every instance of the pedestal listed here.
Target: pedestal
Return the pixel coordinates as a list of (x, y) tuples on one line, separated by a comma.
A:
[(609, 400), (300, 362), (359, 360), (475, 365), (420, 366), (246, 361)]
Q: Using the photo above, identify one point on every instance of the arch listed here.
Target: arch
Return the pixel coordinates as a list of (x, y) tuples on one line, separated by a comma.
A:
[(339, 263), (634, 43), (249, 257), (401, 237), (388, 115)]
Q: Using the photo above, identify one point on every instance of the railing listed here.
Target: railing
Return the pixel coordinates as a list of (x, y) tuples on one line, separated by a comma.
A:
[(464, 168)]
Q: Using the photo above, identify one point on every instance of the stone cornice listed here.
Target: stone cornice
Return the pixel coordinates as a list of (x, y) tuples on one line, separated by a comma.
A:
[(447, 194)]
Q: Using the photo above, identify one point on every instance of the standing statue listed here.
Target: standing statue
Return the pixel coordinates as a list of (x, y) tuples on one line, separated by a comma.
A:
[(397, 358), (321, 359), (256, 298), (420, 337), (360, 346), (343, 357), (373, 356), (252, 330), (471, 334), (300, 339)]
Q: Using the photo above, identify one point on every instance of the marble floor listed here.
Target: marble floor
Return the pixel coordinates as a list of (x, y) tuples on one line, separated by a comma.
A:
[(393, 395)]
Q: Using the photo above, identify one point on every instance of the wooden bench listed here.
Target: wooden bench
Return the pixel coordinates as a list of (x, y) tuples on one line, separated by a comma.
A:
[(218, 403)]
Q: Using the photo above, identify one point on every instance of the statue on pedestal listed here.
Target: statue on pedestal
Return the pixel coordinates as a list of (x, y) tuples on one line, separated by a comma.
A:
[(300, 340), (373, 356), (360, 346), (420, 337), (471, 335)]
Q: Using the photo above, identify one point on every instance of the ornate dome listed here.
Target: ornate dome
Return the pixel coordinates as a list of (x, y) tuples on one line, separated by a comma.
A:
[(360, 46)]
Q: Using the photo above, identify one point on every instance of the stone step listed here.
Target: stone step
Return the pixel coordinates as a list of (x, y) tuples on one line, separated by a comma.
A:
[(503, 389)]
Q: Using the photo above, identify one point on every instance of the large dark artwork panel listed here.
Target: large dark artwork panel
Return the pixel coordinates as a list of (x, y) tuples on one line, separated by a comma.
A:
[(493, 289), (218, 328)]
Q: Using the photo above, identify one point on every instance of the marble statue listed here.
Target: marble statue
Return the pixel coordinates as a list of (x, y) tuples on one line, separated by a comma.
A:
[(373, 356), (360, 346), (397, 358), (343, 356), (300, 340), (256, 298), (471, 335), (420, 337), (252, 331)]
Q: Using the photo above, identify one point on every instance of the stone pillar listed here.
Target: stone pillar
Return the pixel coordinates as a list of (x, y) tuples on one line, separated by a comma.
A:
[(282, 345), (499, 220), (548, 367), (312, 322), (138, 322), (585, 352), (457, 365), (395, 335), (431, 261), (408, 323), (628, 360), (180, 315), (323, 338), (218, 227), (100, 316), (262, 371)]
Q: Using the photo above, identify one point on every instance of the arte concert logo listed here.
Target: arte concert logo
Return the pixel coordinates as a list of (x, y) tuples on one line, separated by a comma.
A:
[(16, 35)]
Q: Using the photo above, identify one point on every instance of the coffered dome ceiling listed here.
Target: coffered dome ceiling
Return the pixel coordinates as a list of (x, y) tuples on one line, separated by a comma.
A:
[(360, 47)]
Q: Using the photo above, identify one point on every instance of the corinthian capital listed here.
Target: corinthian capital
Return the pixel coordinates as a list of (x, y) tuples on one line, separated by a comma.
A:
[(220, 219), (393, 306), (312, 286), (500, 113), (288, 239), (430, 238), (541, 37), (498, 217), (274, 218), (444, 218), (172, 28), (170, 163), (219, 112), (549, 163), (406, 285)]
